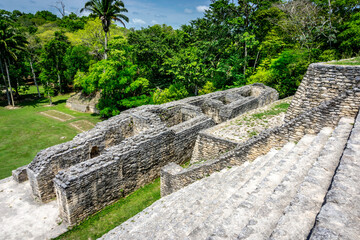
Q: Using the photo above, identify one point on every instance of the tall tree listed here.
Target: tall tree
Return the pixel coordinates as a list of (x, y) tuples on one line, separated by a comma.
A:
[(53, 65), (10, 41), (107, 10), (33, 49)]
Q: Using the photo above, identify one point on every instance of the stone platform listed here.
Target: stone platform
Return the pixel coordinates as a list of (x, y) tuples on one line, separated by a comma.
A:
[(21, 217)]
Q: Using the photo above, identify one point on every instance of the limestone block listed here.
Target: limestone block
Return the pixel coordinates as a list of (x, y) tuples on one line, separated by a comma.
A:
[(20, 174)]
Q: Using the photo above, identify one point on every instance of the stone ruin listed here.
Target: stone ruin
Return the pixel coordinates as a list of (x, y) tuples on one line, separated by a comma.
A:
[(326, 94), (84, 103), (128, 151), (299, 180)]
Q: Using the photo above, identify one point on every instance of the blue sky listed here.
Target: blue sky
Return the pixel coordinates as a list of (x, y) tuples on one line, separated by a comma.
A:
[(141, 12)]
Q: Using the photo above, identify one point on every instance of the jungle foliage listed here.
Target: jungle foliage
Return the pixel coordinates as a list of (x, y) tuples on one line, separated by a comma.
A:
[(235, 43)]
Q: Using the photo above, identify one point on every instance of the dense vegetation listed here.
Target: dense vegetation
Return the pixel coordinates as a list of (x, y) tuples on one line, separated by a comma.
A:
[(235, 43)]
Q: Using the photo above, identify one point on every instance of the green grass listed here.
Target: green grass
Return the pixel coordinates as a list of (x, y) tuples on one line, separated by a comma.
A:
[(115, 214), (354, 61), (24, 132), (186, 164), (277, 109)]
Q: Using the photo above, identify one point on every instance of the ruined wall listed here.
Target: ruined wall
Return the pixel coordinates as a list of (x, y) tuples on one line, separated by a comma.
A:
[(224, 105), (208, 147), (322, 81), (84, 146), (307, 115), (83, 103), (47, 163), (87, 187), (127, 151)]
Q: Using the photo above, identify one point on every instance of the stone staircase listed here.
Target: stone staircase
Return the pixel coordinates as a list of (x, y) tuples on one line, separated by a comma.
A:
[(277, 196)]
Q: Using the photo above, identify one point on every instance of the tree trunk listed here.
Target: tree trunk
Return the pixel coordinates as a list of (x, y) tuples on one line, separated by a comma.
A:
[(58, 75), (245, 59), (34, 76), (6, 88), (59, 80), (257, 58), (47, 84), (8, 76), (106, 40)]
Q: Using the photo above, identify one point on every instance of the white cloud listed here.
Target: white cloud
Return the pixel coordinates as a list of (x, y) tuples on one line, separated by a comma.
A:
[(202, 8), (154, 22), (138, 21), (188, 10)]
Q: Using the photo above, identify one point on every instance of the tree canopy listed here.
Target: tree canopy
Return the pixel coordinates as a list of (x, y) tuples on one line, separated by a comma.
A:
[(235, 43)]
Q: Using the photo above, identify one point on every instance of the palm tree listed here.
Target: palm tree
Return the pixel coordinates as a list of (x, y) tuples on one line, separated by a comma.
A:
[(9, 42), (107, 10)]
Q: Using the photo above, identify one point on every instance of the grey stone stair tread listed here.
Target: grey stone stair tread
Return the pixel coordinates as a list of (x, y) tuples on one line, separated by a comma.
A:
[(208, 198), (339, 217), (299, 216), (163, 203), (235, 200), (227, 207), (261, 225), (145, 216), (230, 226)]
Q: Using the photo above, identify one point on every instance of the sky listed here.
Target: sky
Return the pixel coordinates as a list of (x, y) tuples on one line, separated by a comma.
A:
[(142, 13)]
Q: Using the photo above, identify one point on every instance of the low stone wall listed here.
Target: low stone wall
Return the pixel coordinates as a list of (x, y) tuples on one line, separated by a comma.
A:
[(224, 105), (322, 81), (208, 147), (47, 163), (19, 174), (127, 151), (327, 114), (84, 146), (87, 187), (83, 103)]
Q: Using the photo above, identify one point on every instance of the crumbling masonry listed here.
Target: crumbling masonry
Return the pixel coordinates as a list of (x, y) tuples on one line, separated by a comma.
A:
[(127, 151)]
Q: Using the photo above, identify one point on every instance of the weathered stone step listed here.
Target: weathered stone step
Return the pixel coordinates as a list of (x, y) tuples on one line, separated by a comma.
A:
[(201, 194), (339, 217), (205, 205), (265, 219), (281, 190), (166, 205), (299, 217), (243, 190), (147, 216), (230, 226)]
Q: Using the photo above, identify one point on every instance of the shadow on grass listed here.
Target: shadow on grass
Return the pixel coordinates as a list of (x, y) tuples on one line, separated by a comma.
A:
[(32, 102), (59, 101)]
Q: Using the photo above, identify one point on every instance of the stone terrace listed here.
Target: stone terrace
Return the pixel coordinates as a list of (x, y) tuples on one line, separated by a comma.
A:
[(214, 141)]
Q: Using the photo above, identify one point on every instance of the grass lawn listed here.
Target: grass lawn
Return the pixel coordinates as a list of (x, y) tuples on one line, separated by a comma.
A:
[(24, 132), (115, 214)]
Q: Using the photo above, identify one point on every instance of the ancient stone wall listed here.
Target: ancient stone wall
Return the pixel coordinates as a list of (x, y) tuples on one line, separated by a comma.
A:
[(322, 81), (83, 103), (127, 151), (308, 115), (224, 105), (208, 147), (84, 146)]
